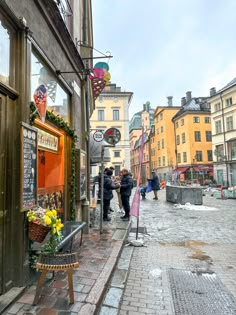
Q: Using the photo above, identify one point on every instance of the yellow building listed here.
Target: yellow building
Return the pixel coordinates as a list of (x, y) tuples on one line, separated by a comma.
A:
[(193, 140), (112, 111), (223, 113), (163, 159)]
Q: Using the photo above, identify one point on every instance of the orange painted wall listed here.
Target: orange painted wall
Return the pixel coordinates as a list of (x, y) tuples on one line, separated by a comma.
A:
[(52, 172)]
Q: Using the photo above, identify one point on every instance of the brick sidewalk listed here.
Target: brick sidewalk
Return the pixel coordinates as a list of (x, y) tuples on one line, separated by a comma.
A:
[(97, 256)]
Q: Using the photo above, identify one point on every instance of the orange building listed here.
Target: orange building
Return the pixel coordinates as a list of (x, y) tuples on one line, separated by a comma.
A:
[(193, 140), (163, 159)]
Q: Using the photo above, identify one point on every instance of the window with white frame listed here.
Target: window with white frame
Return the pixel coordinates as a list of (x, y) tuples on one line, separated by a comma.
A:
[(183, 137), (209, 155), (196, 120), (207, 120), (217, 107), (182, 122), (163, 161), (101, 116), (116, 114), (162, 143), (159, 161), (208, 136), (229, 123), (218, 126), (178, 157), (198, 156), (116, 153), (177, 139), (228, 102), (184, 157), (197, 136)]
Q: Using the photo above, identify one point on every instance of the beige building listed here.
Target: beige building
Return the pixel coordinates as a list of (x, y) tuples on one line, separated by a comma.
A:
[(223, 115), (112, 111)]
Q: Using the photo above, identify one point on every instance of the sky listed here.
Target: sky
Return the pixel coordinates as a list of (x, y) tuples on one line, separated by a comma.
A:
[(165, 48)]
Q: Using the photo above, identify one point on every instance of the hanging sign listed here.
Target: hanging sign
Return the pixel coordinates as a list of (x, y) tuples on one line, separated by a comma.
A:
[(98, 136), (40, 98), (28, 185)]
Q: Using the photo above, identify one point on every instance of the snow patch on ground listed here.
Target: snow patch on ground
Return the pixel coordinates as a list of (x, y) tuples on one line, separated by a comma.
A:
[(189, 206)]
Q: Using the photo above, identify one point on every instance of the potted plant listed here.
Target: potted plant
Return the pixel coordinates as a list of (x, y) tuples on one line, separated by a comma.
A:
[(41, 222)]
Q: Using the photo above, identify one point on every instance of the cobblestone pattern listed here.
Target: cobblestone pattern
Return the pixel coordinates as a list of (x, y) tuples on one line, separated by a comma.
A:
[(200, 241)]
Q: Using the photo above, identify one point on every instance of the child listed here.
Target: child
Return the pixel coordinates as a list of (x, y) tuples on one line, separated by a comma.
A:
[(143, 192)]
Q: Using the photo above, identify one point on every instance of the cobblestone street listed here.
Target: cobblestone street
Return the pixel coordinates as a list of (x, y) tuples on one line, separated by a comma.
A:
[(179, 244)]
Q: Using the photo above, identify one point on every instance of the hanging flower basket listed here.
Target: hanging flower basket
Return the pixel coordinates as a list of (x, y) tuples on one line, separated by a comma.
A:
[(37, 232)]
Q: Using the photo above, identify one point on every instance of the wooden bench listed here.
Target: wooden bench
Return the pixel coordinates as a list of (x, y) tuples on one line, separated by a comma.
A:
[(64, 260)]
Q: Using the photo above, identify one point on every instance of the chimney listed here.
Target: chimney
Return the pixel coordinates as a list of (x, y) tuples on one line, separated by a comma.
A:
[(188, 96), (169, 98), (183, 101), (212, 91)]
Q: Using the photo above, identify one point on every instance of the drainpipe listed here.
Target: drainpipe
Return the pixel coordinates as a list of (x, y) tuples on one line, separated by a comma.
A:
[(86, 85), (225, 144)]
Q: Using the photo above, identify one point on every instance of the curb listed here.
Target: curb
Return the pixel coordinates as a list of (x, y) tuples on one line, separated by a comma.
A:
[(96, 295)]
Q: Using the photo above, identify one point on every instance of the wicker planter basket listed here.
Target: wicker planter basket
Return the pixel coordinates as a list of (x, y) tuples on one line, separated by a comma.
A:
[(37, 232)]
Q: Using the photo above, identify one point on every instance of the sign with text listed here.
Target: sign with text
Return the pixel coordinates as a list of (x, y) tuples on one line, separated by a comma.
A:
[(47, 141), (29, 149)]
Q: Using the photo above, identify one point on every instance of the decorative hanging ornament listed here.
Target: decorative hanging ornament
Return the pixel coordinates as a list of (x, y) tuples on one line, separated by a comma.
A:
[(102, 65), (40, 98), (97, 86)]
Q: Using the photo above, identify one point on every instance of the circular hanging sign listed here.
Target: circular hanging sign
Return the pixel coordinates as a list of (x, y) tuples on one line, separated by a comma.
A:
[(112, 136), (98, 135)]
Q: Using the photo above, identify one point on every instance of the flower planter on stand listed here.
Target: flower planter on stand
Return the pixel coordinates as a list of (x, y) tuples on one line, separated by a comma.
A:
[(37, 232)]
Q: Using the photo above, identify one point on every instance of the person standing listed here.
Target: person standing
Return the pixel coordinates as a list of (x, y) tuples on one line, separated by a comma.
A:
[(155, 184), (126, 186), (107, 193)]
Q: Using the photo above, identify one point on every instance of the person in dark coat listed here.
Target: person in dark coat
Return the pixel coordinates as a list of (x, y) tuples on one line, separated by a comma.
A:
[(155, 184), (107, 193), (126, 186)]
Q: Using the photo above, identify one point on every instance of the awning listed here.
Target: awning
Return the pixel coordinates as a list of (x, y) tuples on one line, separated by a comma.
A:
[(201, 168), (96, 150), (180, 169)]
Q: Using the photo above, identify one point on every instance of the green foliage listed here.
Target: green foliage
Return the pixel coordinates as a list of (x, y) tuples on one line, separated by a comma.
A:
[(51, 246)]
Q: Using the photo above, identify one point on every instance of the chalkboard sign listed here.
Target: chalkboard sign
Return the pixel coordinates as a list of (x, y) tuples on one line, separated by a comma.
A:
[(28, 167)]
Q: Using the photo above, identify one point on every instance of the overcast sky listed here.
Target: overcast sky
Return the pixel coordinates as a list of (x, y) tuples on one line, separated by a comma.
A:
[(166, 47)]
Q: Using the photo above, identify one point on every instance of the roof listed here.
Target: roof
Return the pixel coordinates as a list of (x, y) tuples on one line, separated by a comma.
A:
[(229, 85), (196, 104)]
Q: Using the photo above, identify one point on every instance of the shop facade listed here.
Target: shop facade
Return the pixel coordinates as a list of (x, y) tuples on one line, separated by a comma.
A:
[(43, 157)]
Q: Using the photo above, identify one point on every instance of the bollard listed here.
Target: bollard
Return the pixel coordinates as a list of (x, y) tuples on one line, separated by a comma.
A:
[(86, 215)]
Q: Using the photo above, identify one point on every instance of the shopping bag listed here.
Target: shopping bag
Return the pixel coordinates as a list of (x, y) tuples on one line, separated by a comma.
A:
[(149, 187)]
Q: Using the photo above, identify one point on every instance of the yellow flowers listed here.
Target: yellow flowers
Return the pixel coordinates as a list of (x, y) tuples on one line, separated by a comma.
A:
[(46, 217)]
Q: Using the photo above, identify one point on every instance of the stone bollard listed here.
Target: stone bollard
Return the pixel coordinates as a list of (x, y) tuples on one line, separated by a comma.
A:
[(86, 215)]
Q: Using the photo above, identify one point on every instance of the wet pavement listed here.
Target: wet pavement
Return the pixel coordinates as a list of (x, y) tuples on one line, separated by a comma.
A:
[(200, 241)]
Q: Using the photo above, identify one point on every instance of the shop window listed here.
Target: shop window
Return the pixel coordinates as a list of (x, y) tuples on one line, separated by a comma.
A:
[(57, 98), (117, 170), (4, 53)]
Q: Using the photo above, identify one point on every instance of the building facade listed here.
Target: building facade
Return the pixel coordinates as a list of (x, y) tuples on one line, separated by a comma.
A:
[(223, 115), (112, 111), (45, 103), (193, 140), (163, 158)]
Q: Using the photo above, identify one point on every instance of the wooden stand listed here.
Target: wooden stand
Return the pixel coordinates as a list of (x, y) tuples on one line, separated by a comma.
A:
[(66, 262)]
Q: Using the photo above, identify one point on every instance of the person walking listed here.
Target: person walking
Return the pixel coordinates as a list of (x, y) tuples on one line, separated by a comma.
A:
[(155, 184), (126, 186), (107, 193)]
